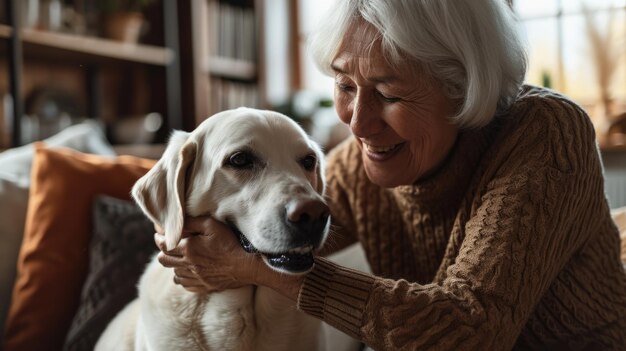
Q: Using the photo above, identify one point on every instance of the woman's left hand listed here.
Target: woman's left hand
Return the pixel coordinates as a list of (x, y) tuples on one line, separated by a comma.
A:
[(209, 258)]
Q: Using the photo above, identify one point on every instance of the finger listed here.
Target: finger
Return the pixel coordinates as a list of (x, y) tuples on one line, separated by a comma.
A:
[(158, 229), (171, 261), (188, 283), (197, 225), (188, 234), (206, 226), (184, 273), (159, 240), (227, 240), (179, 250)]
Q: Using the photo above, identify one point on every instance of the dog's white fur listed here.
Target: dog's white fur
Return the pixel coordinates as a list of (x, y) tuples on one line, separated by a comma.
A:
[(191, 179)]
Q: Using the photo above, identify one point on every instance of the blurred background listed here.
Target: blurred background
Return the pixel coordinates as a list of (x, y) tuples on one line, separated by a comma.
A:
[(143, 67)]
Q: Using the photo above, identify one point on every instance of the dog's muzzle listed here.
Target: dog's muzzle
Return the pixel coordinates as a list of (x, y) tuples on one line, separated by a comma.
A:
[(307, 223)]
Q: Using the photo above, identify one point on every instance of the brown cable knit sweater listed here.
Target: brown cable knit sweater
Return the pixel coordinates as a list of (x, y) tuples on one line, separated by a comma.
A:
[(509, 245)]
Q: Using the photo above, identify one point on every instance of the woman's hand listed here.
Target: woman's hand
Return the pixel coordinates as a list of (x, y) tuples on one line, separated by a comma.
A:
[(209, 258)]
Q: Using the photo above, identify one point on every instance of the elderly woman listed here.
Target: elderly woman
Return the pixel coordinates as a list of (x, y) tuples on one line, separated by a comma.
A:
[(479, 201)]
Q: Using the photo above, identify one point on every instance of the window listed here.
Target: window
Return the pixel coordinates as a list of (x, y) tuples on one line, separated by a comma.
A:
[(564, 55)]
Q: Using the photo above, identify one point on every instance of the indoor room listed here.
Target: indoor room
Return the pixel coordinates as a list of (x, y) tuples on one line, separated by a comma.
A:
[(312, 174)]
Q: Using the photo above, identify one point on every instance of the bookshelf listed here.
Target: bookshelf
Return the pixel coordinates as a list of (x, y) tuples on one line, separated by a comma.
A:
[(95, 57), (231, 68), (209, 60), (226, 60)]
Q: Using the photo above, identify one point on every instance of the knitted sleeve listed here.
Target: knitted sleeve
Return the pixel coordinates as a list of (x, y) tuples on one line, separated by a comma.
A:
[(530, 215)]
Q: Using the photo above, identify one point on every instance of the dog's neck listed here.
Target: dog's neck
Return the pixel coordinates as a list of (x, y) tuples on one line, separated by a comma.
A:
[(275, 315)]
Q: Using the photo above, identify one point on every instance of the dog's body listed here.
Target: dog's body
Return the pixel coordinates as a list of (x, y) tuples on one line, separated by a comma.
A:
[(167, 317), (271, 196)]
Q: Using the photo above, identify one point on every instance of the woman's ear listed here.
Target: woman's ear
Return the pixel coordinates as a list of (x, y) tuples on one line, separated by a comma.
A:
[(161, 192)]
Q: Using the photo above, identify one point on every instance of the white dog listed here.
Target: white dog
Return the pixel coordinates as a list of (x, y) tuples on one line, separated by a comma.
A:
[(260, 173)]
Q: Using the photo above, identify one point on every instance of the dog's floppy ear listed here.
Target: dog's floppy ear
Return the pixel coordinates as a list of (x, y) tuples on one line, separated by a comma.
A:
[(161, 192), (321, 170)]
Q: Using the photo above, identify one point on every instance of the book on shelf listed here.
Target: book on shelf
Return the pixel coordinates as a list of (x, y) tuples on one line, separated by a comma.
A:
[(228, 94), (232, 31)]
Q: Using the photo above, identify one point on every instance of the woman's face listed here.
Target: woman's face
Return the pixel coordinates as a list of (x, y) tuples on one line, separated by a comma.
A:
[(397, 115)]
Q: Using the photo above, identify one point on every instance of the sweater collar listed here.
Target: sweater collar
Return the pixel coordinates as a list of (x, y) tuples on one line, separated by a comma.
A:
[(446, 187)]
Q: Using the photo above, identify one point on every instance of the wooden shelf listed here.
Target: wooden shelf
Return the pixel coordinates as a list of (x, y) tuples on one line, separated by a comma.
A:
[(231, 68), (95, 46)]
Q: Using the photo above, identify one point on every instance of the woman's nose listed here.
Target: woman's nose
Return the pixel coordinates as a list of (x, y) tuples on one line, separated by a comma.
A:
[(366, 117)]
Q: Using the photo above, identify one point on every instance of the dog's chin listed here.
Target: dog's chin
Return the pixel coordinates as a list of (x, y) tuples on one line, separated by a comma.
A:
[(291, 262)]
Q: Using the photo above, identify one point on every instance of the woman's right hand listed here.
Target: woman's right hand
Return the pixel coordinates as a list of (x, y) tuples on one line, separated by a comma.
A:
[(209, 258)]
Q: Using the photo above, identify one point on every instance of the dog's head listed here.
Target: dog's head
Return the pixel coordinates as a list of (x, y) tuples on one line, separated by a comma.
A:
[(254, 170)]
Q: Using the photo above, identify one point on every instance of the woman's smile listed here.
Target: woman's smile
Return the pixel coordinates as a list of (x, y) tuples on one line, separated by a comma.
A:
[(383, 152)]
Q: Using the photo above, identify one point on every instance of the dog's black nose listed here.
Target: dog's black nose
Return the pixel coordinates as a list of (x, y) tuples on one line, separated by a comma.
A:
[(309, 218)]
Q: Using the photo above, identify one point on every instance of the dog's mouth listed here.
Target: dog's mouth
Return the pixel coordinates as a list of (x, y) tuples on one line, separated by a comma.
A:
[(298, 260)]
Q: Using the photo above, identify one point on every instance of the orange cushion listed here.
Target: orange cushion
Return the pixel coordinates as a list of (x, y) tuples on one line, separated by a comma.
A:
[(53, 259)]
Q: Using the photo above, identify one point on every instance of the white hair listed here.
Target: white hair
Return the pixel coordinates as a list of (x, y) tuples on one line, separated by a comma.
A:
[(471, 47)]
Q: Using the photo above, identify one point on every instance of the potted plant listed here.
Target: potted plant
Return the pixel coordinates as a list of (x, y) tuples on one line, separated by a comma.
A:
[(123, 19)]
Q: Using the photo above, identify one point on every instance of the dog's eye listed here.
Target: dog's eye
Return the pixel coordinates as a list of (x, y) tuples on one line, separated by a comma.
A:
[(308, 162), (241, 159)]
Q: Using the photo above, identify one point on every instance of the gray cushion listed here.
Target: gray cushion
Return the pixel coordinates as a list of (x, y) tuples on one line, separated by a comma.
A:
[(121, 246)]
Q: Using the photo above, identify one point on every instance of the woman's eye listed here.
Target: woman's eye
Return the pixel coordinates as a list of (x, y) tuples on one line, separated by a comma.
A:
[(309, 162), (387, 98), (343, 87), (241, 160)]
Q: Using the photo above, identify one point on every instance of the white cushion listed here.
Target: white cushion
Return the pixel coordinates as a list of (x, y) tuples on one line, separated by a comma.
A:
[(85, 137), (15, 166)]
